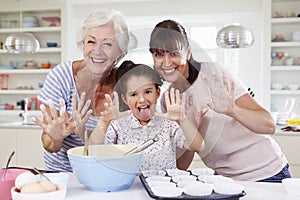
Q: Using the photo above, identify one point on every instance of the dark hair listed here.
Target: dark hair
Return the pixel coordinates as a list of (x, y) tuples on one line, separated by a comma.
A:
[(128, 69), (168, 35)]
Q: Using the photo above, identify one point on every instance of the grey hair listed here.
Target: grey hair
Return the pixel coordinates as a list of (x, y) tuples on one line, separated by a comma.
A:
[(103, 16)]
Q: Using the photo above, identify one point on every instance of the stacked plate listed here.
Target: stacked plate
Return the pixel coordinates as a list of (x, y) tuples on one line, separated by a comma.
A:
[(30, 21)]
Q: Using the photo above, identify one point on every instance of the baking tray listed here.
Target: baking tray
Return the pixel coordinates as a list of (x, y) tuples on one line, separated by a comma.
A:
[(185, 196)]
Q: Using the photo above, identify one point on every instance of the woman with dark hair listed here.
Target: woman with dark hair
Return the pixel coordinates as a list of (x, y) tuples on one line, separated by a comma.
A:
[(234, 126)]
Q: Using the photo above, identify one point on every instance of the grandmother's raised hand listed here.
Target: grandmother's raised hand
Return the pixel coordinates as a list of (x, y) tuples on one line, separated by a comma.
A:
[(80, 114), (175, 106), (56, 124), (111, 109)]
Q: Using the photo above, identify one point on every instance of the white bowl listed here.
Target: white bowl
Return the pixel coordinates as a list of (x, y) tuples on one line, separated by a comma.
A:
[(59, 194), (149, 173), (178, 178), (292, 185), (176, 172), (199, 189), (277, 86), (203, 171), (182, 184), (296, 35), (158, 178), (214, 179), (293, 86), (228, 188), (167, 191), (59, 177)]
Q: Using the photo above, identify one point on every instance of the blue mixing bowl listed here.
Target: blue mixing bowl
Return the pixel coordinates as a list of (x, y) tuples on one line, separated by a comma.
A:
[(106, 169)]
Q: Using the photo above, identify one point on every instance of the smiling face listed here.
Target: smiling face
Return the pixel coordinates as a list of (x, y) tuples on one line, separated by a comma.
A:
[(141, 97), (171, 65), (100, 48)]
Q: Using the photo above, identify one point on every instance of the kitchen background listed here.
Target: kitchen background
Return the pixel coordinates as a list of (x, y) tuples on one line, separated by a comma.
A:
[(270, 67)]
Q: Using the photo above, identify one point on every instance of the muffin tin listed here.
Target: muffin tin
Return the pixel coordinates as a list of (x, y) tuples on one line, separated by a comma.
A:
[(176, 184)]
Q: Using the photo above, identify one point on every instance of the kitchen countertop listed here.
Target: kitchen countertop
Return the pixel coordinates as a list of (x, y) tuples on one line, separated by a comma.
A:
[(254, 191), (18, 125)]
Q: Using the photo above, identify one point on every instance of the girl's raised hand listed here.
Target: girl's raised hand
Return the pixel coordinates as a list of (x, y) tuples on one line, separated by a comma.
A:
[(175, 106), (111, 108)]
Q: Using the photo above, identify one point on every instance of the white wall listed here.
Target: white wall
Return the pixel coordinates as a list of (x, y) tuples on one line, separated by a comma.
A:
[(145, 14)]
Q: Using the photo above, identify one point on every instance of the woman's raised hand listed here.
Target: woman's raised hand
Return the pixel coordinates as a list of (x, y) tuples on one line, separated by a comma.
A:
[(59, 125), (175, 106), (222, 93), (80, 114), (55, 124), (111, 108)]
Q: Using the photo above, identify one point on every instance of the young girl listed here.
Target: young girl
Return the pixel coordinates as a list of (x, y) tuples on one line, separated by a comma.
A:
[(138, 88)]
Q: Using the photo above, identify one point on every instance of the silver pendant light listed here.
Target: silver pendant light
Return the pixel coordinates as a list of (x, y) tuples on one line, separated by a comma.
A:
[(21, 42), (234, 36)]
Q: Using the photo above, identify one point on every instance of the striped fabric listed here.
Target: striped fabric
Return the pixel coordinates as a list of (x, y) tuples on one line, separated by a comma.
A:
[(60, 84)]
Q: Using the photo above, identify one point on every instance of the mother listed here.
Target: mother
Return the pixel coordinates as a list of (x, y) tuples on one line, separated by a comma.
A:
[(104, 39), (234, 126)]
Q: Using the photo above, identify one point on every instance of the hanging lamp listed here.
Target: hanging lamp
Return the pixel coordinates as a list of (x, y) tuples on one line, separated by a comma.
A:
[(21, 42), (234, 36)]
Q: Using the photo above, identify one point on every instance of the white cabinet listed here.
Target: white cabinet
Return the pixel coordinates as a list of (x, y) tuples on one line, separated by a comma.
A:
[(285, 52), (27, 145), (26, 82)]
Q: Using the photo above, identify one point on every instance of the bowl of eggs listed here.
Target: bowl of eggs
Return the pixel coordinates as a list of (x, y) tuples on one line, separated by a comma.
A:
[(29, 187), (106, 168)]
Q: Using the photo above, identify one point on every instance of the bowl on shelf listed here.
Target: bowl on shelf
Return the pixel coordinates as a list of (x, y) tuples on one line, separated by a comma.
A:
[(106, 168), (51, 44), (293, 86), (8, 23), (45, 65), (277, 86)]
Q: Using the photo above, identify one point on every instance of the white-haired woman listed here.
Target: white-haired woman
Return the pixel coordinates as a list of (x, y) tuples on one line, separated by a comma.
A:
[(104, 38)]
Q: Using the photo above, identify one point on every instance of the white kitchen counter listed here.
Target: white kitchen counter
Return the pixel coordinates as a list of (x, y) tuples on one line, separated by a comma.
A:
[(254, 191), (18, 125)]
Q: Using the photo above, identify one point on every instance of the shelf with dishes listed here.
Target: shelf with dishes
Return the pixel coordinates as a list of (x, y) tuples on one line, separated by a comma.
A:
[(30, 29), (20, 91), (286, 68), (41, 50), (285, 92), (285, 20), (286, 44), (24, 71)]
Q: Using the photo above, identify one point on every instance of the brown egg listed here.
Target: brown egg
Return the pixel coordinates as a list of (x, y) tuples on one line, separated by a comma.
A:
[(38, 187), (47, 186), (32, 188)]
